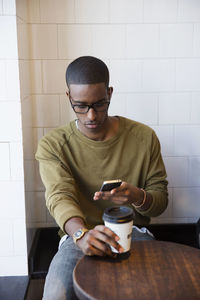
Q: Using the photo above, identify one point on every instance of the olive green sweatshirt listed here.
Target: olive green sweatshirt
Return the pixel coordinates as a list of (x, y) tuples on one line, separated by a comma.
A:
[(73, 167)]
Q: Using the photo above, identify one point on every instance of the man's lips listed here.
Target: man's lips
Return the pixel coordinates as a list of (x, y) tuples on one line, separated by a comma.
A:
[(91, 125)]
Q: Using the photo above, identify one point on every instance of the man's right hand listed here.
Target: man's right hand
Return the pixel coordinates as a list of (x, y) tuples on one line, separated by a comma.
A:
[(98, 240)]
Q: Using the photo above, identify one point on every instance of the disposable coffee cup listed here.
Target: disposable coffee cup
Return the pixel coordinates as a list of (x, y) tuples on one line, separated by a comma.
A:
[(120, 221)]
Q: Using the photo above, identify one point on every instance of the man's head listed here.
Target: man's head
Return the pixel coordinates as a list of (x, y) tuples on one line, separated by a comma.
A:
[(87, 70), (89, 93)]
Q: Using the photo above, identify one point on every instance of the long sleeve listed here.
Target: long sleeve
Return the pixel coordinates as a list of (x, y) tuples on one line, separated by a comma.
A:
[(156, 183), (61, 192)]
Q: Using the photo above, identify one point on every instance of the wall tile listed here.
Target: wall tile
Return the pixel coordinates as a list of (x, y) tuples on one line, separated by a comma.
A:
[(28, 143), (160, 11), (9, 7), (158, 75), (168, 212), (189, 11), (196, 40), (50, 219), (142, 108), (46, 111), (74, 41), (106, 43), (12, 200), (192, 220), (24, 39), (8, 38), (194, 171), (31, 137), (22, 9), (39, 187), (44, 41), (54, 76), (36, 76), (46, 130), (187, 140), (3, 91), (177, 171), (16, 161), (30, 231), (186, 202), (10, 121), (176, 40), (188, 74), (33, 180), (61, 11), (132, 12), (166, 138), (34, 11), (142, 40), (4, 161), (118, 105), (29, 175), (19, 234), (12, 80), (1, 7), (6, 236), (37, 135), (92, 11), (36, 207), (125, 75), (195, 108), (30, 77), (66, 112), (25, 80), (26, 106), (15, 265), (174, 108)]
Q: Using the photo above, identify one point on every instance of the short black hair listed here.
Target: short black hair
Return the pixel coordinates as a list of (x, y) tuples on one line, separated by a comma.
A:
[(87, 70)]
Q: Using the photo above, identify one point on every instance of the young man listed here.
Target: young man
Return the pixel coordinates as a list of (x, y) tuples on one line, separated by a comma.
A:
[(77, 158)]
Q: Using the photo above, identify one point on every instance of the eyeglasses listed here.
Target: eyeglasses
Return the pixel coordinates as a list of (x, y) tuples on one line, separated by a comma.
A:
[(99, 106)]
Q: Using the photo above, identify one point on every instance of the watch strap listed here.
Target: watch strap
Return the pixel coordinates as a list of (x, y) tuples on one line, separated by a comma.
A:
[(79, 234)]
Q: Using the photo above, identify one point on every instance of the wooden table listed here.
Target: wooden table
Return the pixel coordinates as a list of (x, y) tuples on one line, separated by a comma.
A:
[(152, 270)]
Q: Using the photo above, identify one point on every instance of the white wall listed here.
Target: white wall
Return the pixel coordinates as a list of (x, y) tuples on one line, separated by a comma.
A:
[(13, 249), (152, 48)]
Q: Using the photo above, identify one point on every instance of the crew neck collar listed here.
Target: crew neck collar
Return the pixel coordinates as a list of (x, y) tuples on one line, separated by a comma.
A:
[(97, 143)]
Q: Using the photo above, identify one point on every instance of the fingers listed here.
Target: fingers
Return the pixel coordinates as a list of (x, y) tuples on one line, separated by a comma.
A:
[(116, 198), (120, 191), (121, 188), (99, 240)]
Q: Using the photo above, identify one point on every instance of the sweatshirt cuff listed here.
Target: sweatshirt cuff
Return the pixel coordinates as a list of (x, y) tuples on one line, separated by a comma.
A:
[(158, 205), (64, 215)]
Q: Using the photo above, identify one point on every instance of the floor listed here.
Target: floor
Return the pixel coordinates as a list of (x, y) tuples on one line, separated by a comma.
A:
[(35, 289)]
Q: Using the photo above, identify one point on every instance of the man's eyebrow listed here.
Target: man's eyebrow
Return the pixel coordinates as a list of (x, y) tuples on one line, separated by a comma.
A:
[(85, 103)]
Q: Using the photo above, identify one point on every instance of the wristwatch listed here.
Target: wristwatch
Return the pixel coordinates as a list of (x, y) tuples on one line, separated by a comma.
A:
[(79, 234)]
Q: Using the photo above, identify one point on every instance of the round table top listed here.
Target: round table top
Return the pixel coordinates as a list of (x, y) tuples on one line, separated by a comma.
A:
[(152, 270)]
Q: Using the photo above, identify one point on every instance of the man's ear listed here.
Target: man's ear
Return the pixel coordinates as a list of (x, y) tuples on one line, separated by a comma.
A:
[(110, 91)]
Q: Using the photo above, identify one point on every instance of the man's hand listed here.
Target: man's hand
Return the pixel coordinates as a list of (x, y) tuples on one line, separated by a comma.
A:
[(97, 241), (124, 194)]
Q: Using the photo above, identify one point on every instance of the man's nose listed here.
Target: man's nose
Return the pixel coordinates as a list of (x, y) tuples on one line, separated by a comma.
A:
[(91, 114)]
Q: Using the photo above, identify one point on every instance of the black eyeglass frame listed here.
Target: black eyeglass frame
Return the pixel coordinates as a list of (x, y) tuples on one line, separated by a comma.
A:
[(89, 106)]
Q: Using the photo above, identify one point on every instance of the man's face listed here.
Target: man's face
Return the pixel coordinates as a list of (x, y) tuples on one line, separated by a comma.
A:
[(91, 123)]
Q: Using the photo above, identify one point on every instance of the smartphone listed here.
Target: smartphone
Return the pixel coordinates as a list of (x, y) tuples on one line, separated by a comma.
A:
[(110, 184)]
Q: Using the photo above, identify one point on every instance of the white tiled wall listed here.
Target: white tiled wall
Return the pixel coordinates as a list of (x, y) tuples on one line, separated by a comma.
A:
[(13, 250), (152, 48)]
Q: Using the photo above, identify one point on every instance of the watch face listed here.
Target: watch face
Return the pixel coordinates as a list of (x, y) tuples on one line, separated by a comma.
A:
[(78, 233)]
